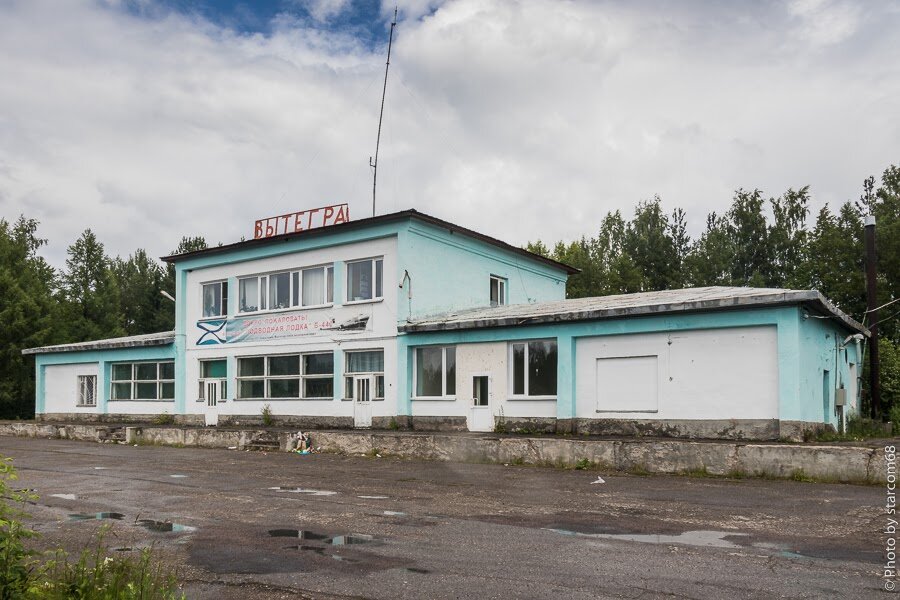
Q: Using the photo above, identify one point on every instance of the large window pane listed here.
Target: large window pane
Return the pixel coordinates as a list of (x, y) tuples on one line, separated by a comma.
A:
[(251, 367), (314, 286), (371, 361), (450, 363), (121, 391), (428, 371), (213, 368), (248, 294), (252, 388), (284, 388), (279, 290), (379, 275), (212, 299), (318, 388), (284, 365), (145, 371), (542, 368), (145, 391), (318, 364), (330, 285), (167, 391), (359, 281), (518, 358), (167, 370), (121, 372), (295, 297)]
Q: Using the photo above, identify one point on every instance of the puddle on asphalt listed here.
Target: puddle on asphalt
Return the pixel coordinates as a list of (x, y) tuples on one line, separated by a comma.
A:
[(176, 476), (346, 540), (373, 497), (100, 515), (100, 468), (711, 539), (299, 490), (64, 496), (394, 513), (298, 533), (165, 526), (418, 570)]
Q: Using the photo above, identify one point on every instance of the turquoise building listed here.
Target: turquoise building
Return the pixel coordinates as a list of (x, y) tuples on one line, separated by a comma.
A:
[(405, 320)]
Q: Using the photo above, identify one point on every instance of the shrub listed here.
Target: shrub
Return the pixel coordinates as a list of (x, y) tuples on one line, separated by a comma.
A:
[(266, 413), (164, 419)]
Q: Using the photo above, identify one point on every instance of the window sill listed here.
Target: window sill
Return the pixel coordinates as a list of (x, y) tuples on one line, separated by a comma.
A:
[(217, 401), (275, 311), (372, 301), (85, 406), (433, 398), (372, 400), (143, 400), (531, 398), (282, 400)]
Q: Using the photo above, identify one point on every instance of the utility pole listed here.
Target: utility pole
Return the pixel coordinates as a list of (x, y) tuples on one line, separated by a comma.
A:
[(872, 317), (374, 163)]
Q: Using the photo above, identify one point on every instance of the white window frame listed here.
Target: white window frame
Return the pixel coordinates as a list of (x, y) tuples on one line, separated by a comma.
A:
[(444, 395), (348, 377), (266, 377), (501, 290), (375, 297), (511, 370), (295, 286), (223, 381), (304, 376), (158, 381), (223, 294), (82, 386)]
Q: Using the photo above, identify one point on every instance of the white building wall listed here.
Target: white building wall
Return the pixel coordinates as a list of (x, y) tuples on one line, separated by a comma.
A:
[(380, 331), (492, 359), (61, 387), (702, 374)]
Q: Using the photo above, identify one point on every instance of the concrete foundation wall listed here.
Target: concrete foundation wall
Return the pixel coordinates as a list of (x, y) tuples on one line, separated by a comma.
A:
[(829, 463)]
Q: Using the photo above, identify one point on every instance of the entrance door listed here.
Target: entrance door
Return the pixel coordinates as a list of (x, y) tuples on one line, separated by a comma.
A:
[(212, 402), (363, 387), (480, 416)]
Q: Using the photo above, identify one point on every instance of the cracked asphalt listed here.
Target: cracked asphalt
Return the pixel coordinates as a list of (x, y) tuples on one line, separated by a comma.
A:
[(248, 525)]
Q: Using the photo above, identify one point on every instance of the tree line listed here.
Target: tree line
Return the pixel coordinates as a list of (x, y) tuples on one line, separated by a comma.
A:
[(758, 241)]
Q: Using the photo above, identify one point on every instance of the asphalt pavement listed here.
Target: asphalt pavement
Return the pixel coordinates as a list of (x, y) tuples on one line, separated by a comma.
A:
[(248, 525)]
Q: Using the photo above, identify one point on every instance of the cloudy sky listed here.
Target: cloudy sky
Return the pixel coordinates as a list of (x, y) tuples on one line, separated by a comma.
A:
[(148, 120)]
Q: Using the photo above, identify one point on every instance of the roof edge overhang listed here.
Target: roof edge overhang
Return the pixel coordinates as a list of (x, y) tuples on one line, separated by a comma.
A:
[(369, 222), (108, 344), (811, 299)]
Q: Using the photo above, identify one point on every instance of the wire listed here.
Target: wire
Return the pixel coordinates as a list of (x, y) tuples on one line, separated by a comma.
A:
[(883, 305)]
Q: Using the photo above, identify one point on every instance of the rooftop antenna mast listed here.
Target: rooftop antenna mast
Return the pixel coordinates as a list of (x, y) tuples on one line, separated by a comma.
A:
[(374, 163)]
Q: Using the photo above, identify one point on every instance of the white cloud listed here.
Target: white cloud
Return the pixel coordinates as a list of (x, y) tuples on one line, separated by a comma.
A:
[(520, 119)]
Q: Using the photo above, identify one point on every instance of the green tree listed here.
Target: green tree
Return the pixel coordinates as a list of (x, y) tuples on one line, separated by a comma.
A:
[(28, 313), (140, 280), (91, 292), (649, 259), (788, 237)]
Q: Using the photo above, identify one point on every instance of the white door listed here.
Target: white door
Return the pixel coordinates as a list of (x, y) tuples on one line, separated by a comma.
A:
[(212, 401), (480, 416), (363, 387)]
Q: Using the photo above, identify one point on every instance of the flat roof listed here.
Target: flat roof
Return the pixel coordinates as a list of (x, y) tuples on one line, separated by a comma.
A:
[(630, 305), (369, 222), (132, 341)]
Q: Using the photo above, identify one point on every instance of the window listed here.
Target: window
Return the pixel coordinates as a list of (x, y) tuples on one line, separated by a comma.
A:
[(435, 372), (533, 368), (286, 376), (143, 381), (367, 362), (215, 299), (364, 279), (213, 370), (307, 287), (498, 291), (87, 390)]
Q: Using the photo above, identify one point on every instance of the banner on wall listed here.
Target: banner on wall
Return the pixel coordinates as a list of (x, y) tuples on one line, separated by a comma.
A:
[(258, 328)]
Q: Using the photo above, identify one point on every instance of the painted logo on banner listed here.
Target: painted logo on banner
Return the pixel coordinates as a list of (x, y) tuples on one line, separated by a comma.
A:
[(259, 328)]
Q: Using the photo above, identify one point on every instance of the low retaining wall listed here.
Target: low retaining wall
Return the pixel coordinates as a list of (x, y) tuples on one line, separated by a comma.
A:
[(851, 464)]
